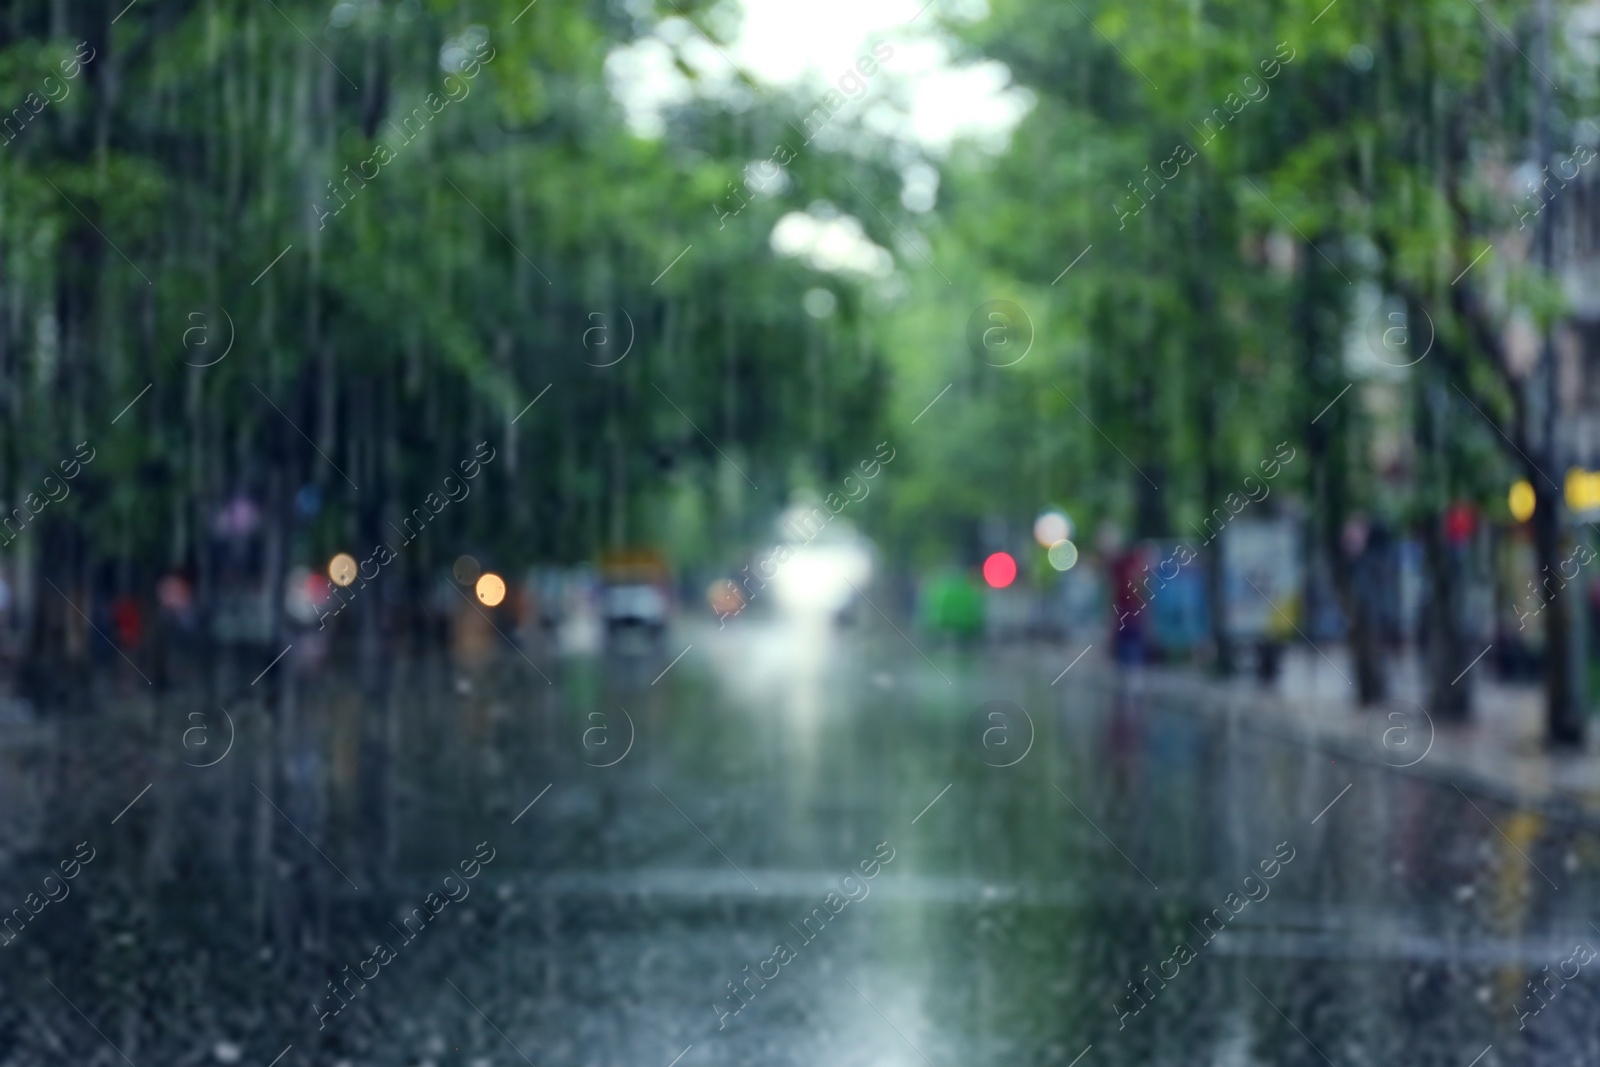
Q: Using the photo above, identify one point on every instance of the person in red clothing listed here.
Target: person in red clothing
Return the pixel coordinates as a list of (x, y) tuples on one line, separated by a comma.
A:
[(1127, 603), (129, 623)]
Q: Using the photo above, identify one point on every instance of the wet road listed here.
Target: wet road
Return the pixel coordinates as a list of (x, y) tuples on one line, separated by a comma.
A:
[(785, 849)]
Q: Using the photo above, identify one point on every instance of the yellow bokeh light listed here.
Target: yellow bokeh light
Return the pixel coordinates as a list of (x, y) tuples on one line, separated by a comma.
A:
[(342, 569), (1520, 500), (1583, 489), (491, 588)]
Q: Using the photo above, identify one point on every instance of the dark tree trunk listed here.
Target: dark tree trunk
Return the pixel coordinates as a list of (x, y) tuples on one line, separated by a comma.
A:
[(1366, 579), (1445, 653), (375, 638), (1210, 344), (1318, 319), (1211, 487), (1444, 646), (1563, 708), (1150, 504)]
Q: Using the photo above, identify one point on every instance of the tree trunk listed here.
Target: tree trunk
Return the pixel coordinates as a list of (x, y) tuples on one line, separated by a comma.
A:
[(1365, 579), (1150, 505), (1444, 646), (1563, 706), (1221, 644), (1210, 342), (1445, 653), (1318, 319)]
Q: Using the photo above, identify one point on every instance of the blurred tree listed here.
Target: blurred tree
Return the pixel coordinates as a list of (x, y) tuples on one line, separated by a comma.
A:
[(404, 223), (1381, 130)]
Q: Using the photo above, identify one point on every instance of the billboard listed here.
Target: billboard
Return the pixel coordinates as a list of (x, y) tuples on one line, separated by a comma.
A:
[(1261, 577)]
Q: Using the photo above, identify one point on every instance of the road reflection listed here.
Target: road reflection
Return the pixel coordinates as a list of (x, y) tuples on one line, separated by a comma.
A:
[(692, 880)]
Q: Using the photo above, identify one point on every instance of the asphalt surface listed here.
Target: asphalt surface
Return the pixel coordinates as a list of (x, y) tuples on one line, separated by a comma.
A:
[(782, 846)]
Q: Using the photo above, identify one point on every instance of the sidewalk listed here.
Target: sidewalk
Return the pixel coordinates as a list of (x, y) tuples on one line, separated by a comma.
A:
[(1499, 751)]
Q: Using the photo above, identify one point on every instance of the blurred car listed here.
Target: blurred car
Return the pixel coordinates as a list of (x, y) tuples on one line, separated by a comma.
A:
[(822, 578), (635, 593)]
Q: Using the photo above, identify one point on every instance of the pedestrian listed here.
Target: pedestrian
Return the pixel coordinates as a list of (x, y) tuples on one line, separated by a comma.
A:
[(1127, 603)]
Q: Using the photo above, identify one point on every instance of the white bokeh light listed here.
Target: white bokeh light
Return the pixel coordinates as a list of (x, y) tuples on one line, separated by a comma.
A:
[(1051, 526), (836, 244)]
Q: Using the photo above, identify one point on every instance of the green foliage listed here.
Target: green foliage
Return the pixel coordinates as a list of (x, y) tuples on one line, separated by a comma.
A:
[(414, 311), (1214, 313)]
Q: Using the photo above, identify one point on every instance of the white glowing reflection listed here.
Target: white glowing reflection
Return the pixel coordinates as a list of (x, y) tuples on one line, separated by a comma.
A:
[(821, 578)]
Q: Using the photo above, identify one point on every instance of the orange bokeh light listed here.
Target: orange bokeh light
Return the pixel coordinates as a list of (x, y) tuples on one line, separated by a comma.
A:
[(342, 569), (491, 588)]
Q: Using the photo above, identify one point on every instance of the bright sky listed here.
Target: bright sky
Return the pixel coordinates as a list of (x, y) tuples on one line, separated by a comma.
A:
[(920, 97), (920, 101)]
